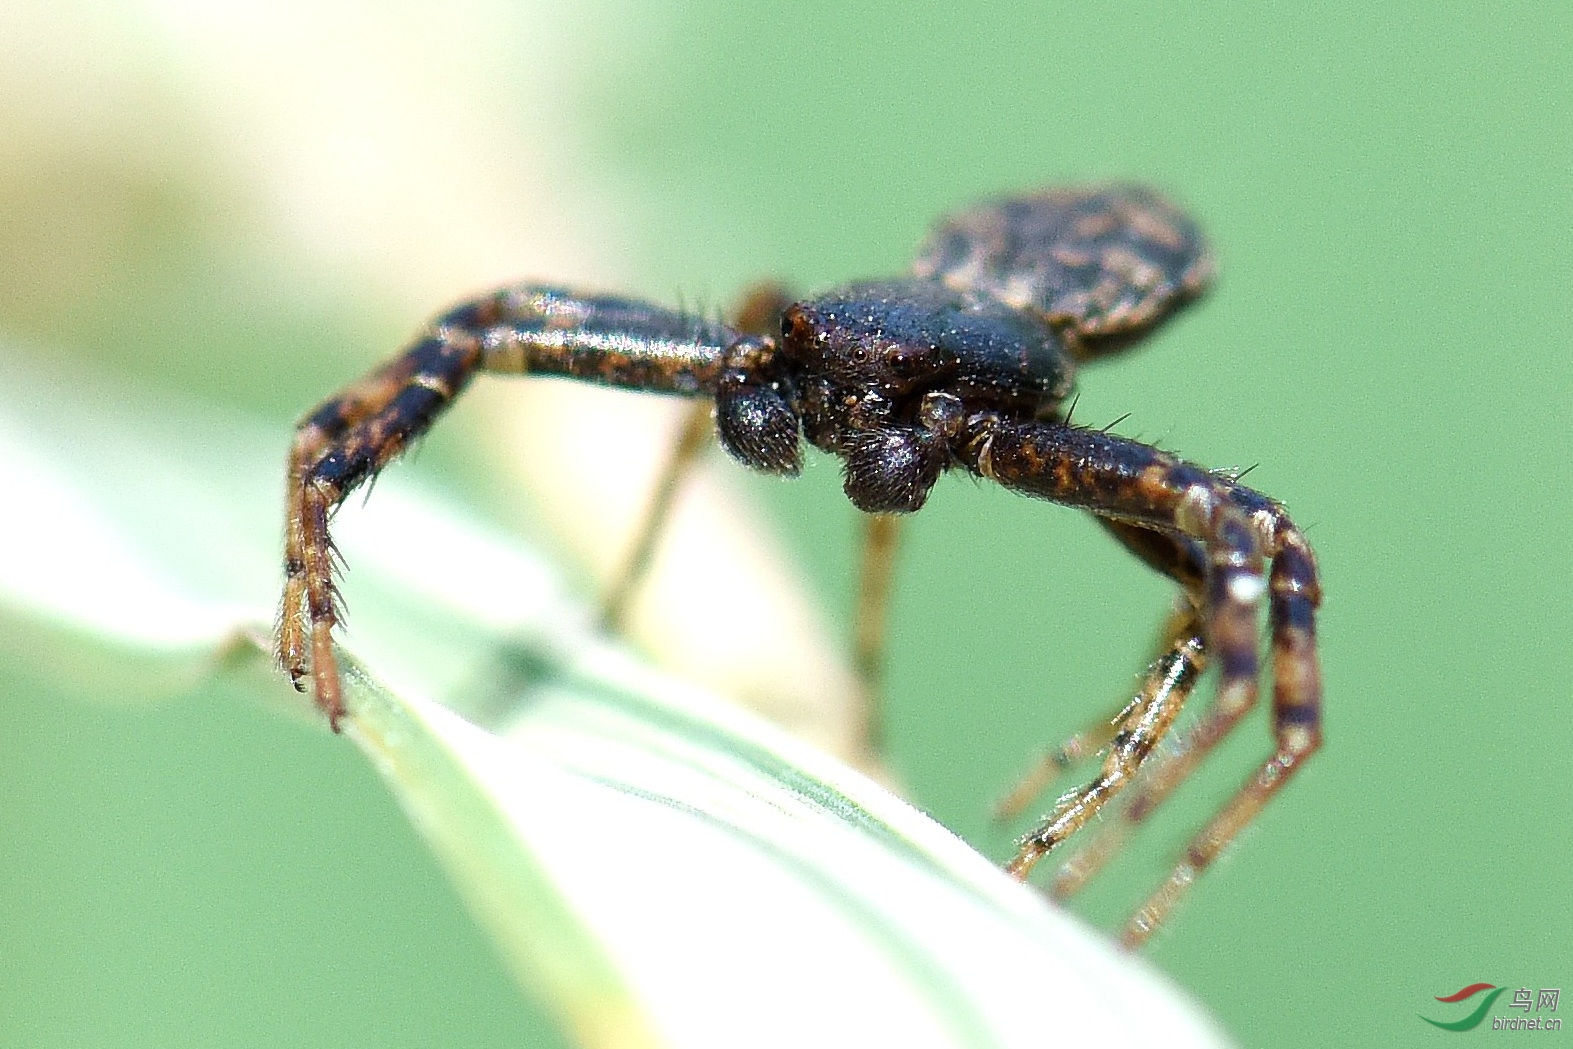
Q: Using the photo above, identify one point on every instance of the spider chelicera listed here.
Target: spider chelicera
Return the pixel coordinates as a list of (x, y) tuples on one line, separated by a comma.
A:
[(965, 364)]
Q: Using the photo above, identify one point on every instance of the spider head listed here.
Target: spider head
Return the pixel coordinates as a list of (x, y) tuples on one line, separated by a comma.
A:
[(885, 374)]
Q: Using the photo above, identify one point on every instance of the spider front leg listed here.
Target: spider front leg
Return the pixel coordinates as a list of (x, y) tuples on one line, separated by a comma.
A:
[(603, 339), (336, 448), (1235, 528), (315, 434)]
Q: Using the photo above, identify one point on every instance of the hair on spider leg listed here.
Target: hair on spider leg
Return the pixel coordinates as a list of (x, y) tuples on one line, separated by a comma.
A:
[(1232, 474), (1070, 411), (1112, 425), (688, 314), (698, 314), (339, 600), (336, 561), (371, 483), (409, 453)]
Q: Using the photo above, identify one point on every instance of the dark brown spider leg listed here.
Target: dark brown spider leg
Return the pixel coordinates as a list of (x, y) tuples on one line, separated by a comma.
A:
[(349, 439), (691, 440), (880, 535), (1182, 560), (1129, 481), (1166, 772), (438, 368), (1295, 592), (313, 436)]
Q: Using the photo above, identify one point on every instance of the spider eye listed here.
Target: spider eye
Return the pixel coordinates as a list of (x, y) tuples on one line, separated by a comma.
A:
[(904, 361)]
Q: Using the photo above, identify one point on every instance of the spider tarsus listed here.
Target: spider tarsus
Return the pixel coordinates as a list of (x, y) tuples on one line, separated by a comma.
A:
[(1150, 916), (1027, 857)]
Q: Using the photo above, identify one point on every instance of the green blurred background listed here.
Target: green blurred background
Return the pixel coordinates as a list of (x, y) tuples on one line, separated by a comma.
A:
[(1387, 186)]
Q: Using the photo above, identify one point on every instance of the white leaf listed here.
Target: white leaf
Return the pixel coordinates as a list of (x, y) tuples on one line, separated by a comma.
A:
[(662, 868)]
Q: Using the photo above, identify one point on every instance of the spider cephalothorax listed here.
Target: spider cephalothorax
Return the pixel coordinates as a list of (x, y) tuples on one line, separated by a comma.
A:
[(964, 364), (886, 372)]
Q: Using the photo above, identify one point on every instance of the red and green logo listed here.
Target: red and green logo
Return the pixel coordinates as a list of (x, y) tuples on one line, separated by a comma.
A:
[(1470, 1022)]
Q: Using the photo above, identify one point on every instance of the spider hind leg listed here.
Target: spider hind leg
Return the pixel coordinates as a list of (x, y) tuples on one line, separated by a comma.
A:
[(1236, 529)]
